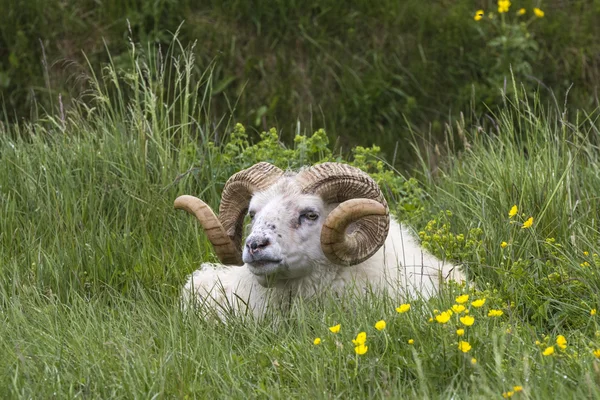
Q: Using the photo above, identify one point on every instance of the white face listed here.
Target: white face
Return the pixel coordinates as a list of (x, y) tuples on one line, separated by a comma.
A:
[(284, 240)]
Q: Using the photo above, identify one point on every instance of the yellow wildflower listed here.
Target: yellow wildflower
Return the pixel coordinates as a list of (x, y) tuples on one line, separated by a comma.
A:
[(430, 319), (513, 211), (436, 311), (518, 388), (495, 313), (467, 320), (506, 395), (478, 303), (403, 308), (411, 341), (361, 349), (443, 317), (361, 338), (503, 6), (460, 332), (597, 353), (584, 264), (548, 351), (473, 361), (586, 253), (458, 308), (593, 312), (528, 223), (317, 341), (336, 328), (503, 245), (380, 325), (538, 13), (462, 299), (561, 341), (463, 346), (522, 11), (478, 15)]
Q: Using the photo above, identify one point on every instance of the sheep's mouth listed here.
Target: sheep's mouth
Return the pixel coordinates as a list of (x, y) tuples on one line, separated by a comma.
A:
[(264, 262)]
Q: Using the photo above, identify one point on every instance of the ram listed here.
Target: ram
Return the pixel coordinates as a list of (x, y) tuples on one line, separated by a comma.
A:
[(324, 229)]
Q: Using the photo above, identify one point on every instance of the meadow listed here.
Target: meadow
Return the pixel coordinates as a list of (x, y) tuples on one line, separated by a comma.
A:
[(93, 255)]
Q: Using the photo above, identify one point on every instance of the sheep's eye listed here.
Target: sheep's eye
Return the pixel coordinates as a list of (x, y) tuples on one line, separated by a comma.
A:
[(251, 215), (310, 215)]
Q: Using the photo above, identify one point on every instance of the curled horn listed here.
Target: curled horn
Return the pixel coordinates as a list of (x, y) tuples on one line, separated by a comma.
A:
[(225, 232), (223, 245), (237, 194), (361, 204)]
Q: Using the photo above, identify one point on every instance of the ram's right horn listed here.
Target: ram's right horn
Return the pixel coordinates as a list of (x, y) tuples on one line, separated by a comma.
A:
[(225, 232), (223, 245)]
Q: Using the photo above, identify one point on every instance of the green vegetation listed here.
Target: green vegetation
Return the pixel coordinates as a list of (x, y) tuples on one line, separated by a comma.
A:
[(93, 255), (368, 72)]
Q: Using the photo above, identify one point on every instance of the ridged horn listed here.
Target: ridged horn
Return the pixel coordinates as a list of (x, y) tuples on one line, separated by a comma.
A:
[(227, 252), (362, 207), (237, 193)]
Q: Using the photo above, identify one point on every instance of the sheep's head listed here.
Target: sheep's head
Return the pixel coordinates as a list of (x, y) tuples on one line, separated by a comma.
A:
[(327, 212)]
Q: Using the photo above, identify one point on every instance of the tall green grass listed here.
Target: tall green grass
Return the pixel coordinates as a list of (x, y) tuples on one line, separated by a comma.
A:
[(92, 256), (367, 72)]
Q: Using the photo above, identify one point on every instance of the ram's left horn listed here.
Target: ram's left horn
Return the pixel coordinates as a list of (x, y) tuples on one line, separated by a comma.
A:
[(371, 220), (224, 246)]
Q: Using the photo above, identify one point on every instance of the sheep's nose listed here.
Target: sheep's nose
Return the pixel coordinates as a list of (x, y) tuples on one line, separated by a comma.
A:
[(255, 244)]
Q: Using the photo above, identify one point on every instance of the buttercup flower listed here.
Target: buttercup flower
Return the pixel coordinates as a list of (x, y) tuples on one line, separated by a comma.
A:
[(528, 223), (463, 346), (411, 341), (495, 313), (503, 245), (336, 328), (473, 361), (317, 341), (380, 325), (548, 351), (460, 332), (478, 15), (521, 11), (513, 211), (506, 395), (561, 342), (458, 308), (403, 308), (538, 13), (503, 6), (597, 353), (478, 303), (443, 317), (361, 338), (462, 299), (593, 312), (467, 320), (518, 388), (361, 349)]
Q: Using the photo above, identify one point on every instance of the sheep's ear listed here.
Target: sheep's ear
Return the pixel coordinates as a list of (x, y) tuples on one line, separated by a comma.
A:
[(370, 222), (237, 193), (226, 250)]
